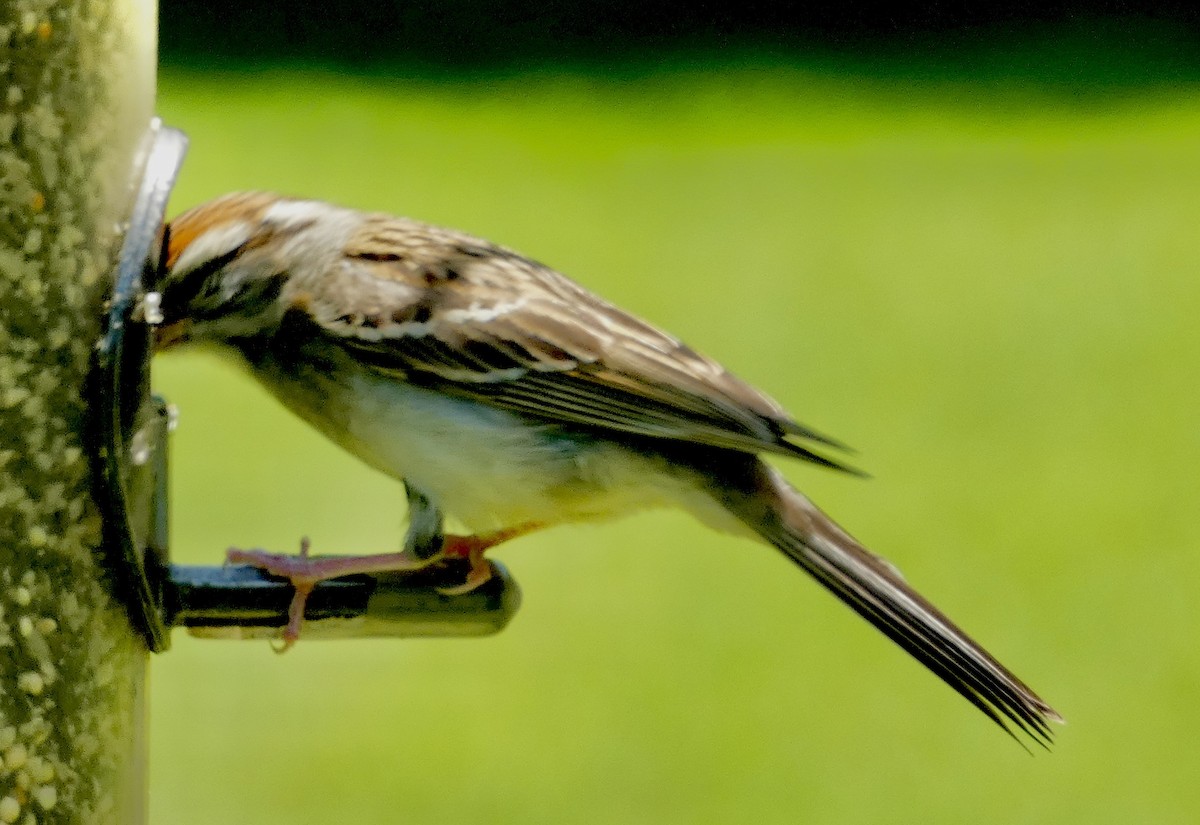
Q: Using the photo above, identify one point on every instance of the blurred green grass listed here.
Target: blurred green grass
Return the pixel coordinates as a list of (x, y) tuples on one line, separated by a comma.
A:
[(990, 291)]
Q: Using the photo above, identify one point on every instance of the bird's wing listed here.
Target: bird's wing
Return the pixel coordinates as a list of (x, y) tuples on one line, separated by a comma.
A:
[(477, 320)]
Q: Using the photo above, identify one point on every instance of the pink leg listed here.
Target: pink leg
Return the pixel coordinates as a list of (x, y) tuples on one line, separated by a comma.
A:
[(305, 573), (472, 549)]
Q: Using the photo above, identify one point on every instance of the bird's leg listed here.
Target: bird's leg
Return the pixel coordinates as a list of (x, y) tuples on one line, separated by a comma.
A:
[(425, 534), (472, 549), (305, 573)]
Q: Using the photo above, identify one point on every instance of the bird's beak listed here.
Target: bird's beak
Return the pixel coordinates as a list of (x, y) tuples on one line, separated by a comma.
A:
[(170, 335)]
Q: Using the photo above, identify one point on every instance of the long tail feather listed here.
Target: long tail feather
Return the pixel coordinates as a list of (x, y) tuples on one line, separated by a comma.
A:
[(876, 591)]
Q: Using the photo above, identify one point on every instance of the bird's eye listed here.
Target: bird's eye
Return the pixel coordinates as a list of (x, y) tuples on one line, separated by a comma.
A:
[(261, 291), (200, 288)]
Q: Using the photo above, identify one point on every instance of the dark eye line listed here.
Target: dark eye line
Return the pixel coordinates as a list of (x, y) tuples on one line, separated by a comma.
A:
[(197, 281), (263, 291)]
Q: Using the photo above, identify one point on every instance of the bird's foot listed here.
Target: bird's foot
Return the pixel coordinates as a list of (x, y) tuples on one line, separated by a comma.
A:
[(305, 573), (472, 548)]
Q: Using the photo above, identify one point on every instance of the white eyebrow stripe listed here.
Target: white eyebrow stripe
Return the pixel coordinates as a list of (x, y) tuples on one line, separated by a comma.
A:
[(291, 213)]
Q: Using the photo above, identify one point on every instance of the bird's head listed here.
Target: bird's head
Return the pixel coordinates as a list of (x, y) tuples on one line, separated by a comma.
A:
[(226, 265)]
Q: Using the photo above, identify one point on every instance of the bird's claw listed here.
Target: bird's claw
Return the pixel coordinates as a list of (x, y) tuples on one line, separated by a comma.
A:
[(304, 573), (471, 548), (481, 571)]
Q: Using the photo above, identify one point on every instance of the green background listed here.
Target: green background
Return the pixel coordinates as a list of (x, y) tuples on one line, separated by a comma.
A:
[(982, 277)]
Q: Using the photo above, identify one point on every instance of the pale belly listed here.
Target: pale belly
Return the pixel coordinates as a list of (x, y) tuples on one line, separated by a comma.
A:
[(488, 468)]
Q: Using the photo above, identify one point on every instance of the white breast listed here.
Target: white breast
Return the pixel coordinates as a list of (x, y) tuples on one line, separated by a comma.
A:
[(486, 467)]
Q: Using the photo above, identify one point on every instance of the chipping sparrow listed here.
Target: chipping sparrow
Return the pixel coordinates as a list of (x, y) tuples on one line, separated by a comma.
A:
[(505, 394)]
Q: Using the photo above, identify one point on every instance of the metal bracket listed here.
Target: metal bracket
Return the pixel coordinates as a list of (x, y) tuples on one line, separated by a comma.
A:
[(131, 428), (240, 602)]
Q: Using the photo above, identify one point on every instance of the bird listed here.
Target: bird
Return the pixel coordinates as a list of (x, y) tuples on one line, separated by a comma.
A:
[(506, 395)]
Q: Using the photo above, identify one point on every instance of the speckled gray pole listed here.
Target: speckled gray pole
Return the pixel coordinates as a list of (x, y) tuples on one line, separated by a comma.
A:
[(77, 93)]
